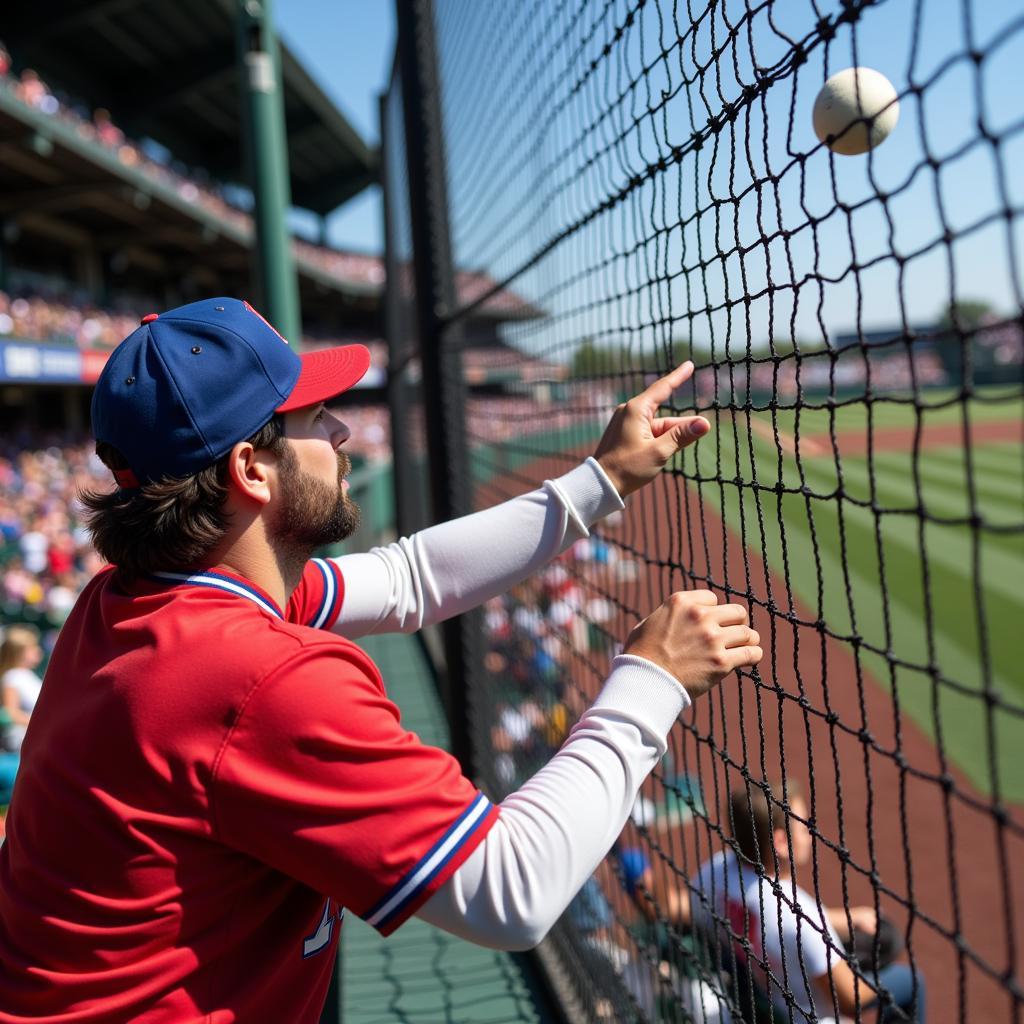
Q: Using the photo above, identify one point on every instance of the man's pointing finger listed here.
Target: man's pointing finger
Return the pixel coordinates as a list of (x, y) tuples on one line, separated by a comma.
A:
[(661, 390)]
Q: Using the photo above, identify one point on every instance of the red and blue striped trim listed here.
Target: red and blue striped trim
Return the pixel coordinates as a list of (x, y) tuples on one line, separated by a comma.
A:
[(330, 601), (219, 581), (435, 867)]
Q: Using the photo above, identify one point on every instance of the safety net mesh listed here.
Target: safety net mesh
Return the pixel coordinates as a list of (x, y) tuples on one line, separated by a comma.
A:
[(632, 183)]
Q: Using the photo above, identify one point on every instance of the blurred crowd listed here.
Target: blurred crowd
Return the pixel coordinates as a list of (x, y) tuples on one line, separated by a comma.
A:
[(45, 554), (819, 373), (97, 126), (46, 558), (37, 318), (496, 418), (40, 315), (347, 266)]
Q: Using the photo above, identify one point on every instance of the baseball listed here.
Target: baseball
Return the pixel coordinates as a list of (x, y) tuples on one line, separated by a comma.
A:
[(860, 97)]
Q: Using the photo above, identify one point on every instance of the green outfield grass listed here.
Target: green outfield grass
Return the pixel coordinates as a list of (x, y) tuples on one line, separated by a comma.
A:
[(898, 543)]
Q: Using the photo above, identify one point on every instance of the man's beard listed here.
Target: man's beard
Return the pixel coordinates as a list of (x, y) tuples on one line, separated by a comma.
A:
[(312, 513)]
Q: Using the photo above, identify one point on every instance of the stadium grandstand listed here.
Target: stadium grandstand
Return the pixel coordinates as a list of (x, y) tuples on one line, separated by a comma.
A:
[(106, 215)]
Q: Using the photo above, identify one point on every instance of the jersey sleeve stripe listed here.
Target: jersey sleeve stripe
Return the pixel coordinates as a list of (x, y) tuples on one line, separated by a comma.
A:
[(327, 601), (339, 592), (435, 867)]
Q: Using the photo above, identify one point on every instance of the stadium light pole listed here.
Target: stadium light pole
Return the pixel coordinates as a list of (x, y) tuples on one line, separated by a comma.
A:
[(266, 155)]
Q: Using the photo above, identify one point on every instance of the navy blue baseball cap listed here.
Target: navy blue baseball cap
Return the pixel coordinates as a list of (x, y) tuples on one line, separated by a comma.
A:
[(180, 391)]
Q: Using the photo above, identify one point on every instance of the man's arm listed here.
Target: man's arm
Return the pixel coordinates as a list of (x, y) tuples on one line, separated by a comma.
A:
[(447, 569), (552, 833), (851, 992)]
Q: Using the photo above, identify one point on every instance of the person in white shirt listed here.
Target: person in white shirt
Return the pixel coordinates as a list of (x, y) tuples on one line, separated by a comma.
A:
[(20, 655), (789, 946)]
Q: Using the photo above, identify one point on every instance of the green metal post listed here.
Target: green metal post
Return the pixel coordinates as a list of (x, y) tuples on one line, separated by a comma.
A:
[(267, 160)]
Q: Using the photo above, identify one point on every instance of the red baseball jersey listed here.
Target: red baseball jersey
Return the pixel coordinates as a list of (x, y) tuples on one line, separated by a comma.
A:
[(206, 785)]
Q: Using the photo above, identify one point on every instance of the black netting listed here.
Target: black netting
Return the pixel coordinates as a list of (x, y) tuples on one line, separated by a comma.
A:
[(633, 183)]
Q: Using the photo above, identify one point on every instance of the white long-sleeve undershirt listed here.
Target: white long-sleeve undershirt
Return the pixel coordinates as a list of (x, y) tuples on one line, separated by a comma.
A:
[(448, 569), (553, 831)]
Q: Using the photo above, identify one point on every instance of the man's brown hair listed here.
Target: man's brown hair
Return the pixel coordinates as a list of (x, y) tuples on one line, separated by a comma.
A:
[(755, 815), (169, 524)]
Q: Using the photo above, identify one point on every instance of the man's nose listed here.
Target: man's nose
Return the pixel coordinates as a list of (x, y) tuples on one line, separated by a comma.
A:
[(340, 432)]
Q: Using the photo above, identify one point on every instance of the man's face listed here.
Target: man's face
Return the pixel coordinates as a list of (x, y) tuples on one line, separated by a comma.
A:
[(315, 507)]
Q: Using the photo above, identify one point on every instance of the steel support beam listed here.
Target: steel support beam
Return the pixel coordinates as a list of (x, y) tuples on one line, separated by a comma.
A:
[(267, 162)]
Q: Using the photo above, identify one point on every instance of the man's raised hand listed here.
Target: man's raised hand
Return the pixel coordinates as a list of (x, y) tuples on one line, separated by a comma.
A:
[(696, 639), (637, 444)]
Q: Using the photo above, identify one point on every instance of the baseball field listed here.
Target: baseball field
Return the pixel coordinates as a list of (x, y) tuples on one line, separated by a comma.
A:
[(882, 583), (904, 550)]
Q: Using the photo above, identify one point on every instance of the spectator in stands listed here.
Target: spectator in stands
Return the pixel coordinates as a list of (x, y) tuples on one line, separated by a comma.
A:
[(34, 548), (659, 895), (796, 945), (35, 93), (107, 133), (20, 656)]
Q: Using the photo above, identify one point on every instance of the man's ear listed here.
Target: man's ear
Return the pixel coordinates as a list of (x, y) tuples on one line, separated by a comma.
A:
[(249, 471)]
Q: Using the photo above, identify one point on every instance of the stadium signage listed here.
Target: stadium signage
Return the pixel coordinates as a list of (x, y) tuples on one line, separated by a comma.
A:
[(43, 363), (93, 362)]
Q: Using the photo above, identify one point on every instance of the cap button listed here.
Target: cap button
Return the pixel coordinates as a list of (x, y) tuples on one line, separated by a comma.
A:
[(150, 317)]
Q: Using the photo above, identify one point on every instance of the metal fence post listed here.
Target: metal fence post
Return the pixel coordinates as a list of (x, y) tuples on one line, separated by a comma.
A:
[(443, 388)]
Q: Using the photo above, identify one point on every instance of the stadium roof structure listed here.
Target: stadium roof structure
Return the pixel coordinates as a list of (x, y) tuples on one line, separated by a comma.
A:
[(169, 71), (61, 185)]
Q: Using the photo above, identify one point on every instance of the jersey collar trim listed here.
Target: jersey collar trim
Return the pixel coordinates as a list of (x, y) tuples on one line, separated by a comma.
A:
[(221, 581)]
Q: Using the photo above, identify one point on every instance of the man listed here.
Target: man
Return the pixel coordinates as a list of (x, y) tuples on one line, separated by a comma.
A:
[(214, 773), (793, 947)]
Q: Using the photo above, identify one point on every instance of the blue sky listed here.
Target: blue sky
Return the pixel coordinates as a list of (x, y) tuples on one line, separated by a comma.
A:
[(506, 214), (347, 46), (525, 179)]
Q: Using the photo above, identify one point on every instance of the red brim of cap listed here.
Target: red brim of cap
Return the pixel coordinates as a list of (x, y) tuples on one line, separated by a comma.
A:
[(325, 374)]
